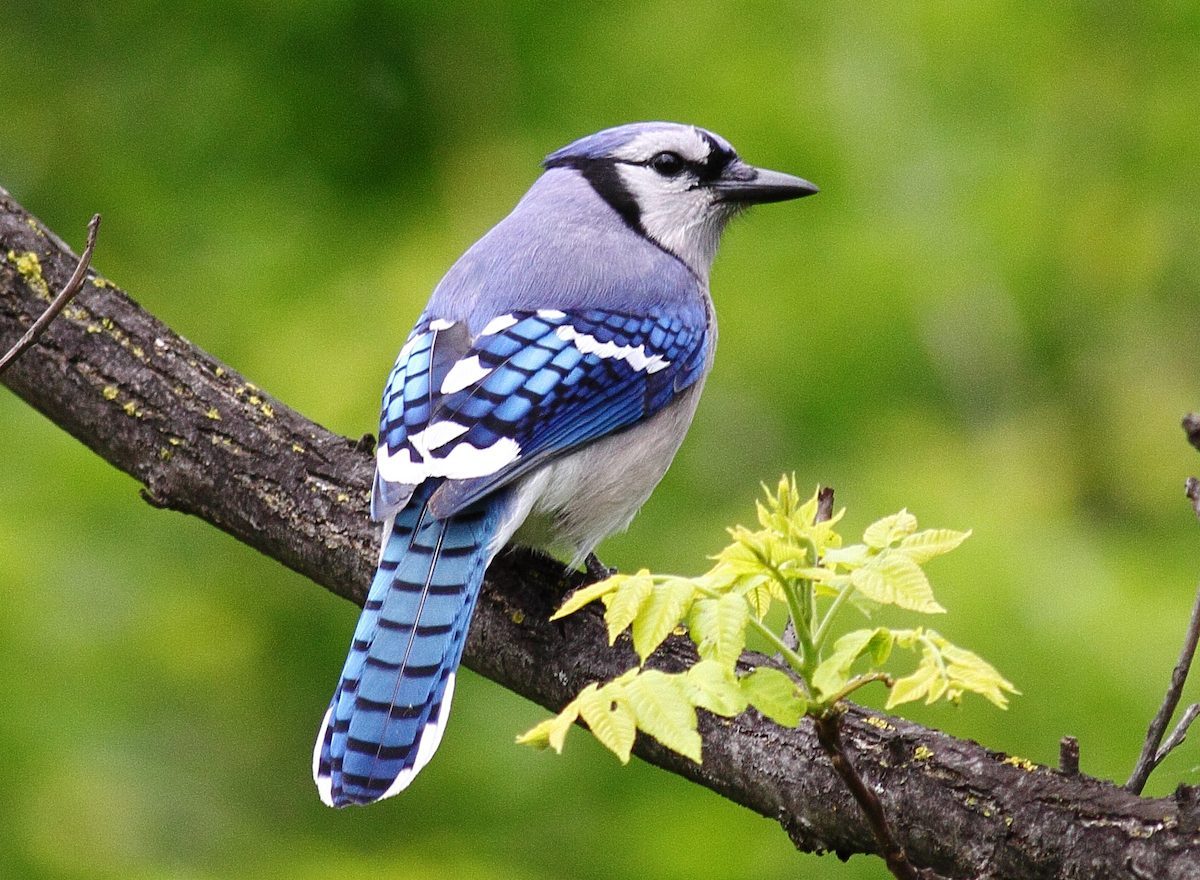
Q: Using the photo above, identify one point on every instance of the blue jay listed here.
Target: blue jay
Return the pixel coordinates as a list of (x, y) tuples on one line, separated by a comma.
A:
[(539, 399)]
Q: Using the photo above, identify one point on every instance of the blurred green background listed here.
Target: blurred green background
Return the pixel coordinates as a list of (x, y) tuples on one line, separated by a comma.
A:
[(989, 315)]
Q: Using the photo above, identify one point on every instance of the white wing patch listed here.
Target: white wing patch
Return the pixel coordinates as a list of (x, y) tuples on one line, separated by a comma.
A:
[(634, 355), (436, 435), (497, 325), (441, 324), (462, 461), (399, 466), (465, 461), (464, 374)]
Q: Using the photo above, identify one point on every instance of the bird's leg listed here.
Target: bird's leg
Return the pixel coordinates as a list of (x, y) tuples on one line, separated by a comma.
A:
[(596, 569)]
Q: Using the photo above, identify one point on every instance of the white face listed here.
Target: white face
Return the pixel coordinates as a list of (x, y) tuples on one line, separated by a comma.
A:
[(678, 212)]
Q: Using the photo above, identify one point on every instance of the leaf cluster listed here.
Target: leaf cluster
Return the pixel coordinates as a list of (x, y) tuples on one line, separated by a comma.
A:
[(795, 558)]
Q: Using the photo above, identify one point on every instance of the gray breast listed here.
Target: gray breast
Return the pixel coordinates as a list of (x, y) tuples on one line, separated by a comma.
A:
[(573, 503)]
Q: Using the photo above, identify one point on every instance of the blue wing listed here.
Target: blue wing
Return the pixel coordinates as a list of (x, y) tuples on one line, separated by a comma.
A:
[(531, 385), (432, 347)]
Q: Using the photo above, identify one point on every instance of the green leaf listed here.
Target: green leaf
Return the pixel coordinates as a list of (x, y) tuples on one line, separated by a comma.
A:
[(718, 579), (748, 552), (834, 671), (663, 710), (661, 613), (894, 579), (626, 602), (551, 732), (592, 592), (784, 505), (970, 672), (924, 546), (908, 638), (789, 558), (846, 557), (760, 596), (775, 695), (883, 532), (946, 670), (718, 627), (757, 569), (866, 607), (609, 718), (788, 517), (711, 686), (913, 687)]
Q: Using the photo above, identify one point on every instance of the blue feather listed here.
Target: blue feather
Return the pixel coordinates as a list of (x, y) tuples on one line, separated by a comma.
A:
[(390, 707), (540, 388)]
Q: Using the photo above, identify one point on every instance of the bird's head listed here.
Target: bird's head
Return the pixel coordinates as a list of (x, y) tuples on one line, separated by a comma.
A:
[(676, 184)]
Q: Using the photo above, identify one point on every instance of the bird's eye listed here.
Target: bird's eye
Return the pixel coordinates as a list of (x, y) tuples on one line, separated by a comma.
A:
[(667, 164)]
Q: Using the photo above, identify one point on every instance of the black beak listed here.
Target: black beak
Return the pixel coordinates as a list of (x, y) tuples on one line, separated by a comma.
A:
[(748, 185)]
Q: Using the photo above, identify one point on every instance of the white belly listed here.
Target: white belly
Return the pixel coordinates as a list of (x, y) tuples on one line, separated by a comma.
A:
[(572, 504)]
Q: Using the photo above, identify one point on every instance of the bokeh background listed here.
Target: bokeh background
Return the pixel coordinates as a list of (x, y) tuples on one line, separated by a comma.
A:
[(989, 314)]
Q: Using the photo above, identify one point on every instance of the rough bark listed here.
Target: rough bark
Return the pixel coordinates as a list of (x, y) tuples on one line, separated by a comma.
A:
[(205, 441)]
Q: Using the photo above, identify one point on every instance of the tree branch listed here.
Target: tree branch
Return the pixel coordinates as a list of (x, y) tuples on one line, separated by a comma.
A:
[(1152, 755), (1154, 750), (205, 441), (74, 285), (829, 735)]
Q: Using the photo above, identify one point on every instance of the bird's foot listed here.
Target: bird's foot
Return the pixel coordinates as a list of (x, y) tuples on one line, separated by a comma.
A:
[(596, 569)]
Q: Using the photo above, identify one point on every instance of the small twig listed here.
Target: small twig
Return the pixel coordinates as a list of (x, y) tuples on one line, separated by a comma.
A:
[(829, 734), (72, 287), (824, 504), (1153, 750), (1179, 734), (1068, 756)]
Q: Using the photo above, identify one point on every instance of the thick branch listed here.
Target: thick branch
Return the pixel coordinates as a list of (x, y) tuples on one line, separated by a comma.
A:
[(205, 441)]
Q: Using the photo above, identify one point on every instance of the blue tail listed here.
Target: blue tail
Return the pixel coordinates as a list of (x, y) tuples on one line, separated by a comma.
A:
[(389, 710)]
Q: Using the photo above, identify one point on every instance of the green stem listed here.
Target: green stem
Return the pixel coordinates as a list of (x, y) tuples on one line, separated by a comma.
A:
[(823, 630), (794, 660), (802, 618), (851, 686), (802, 608), (809, 596)]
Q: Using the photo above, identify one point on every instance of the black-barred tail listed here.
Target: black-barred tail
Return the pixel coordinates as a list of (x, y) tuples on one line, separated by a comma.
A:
[(390, 708)]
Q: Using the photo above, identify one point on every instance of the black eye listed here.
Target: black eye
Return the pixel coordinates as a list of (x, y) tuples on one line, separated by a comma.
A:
[(667, 164)]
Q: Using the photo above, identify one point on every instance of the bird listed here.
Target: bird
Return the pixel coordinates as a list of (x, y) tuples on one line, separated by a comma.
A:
[(538, 400)]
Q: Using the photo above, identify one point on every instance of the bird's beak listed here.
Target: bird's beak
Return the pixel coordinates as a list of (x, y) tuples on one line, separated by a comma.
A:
[(745, 184)]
